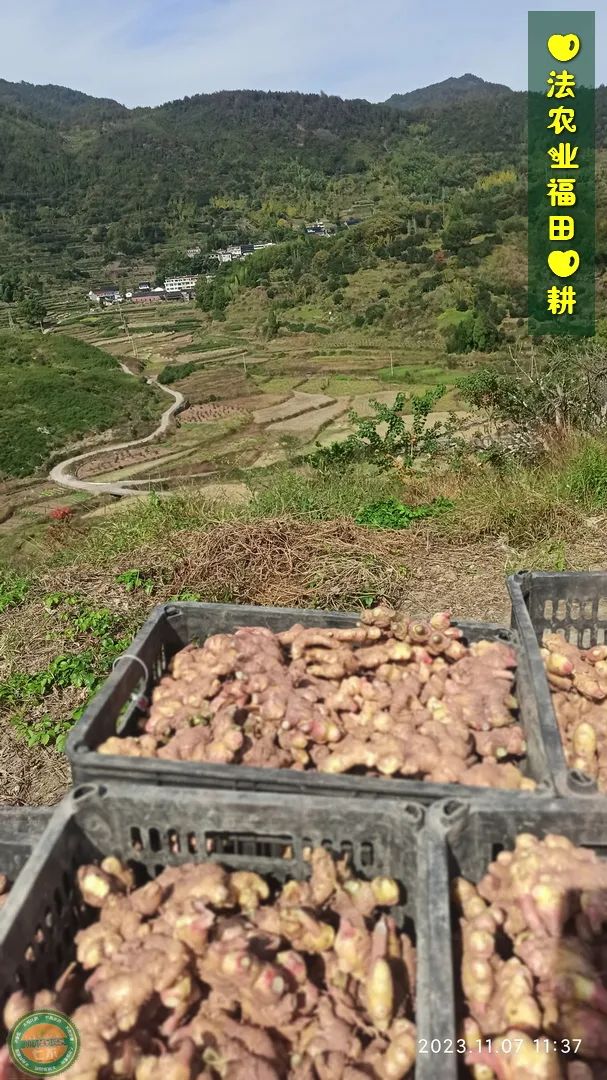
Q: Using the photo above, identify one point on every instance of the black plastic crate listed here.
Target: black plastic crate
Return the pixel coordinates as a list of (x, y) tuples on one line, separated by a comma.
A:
[(20, 829), (115, 709), (462, 838), (571, 604), (153, 828)]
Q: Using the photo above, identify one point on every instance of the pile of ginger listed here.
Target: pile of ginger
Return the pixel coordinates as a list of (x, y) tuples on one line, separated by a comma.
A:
[(390, 697), (578, 681), (533, 938), (203, 974)]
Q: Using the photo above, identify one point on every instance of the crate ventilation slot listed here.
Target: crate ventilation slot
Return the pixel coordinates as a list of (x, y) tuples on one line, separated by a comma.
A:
[(261, 847)]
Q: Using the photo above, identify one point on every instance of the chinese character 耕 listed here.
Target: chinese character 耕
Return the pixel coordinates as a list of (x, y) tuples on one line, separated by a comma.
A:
[(560, 301)]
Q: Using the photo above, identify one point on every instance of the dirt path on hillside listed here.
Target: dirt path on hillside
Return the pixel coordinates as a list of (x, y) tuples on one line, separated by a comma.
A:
[(61, 473)]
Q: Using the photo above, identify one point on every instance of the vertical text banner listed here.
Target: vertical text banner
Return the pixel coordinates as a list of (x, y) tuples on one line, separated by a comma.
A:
[(561, 192)]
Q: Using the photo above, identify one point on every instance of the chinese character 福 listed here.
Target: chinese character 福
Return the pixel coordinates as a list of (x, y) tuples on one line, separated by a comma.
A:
[(561, 191)]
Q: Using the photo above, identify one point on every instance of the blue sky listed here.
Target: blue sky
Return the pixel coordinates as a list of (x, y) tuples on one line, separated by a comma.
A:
[(144, 52)]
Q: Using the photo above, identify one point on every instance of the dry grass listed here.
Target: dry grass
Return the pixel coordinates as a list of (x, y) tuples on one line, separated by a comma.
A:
[(289, 562), (334, 565)]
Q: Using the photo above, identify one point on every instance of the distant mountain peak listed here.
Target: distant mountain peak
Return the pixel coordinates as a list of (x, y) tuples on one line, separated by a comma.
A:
[(448, 92), (57, 104)]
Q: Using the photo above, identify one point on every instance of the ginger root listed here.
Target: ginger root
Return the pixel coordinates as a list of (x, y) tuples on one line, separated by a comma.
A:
[(209, 974), (532, 936), (390, 697), (578, 681)]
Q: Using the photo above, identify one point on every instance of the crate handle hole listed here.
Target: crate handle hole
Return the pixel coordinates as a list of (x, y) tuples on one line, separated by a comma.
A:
[(414, 813), (367, 854), (453, 812), (88, 789), (581, 783)]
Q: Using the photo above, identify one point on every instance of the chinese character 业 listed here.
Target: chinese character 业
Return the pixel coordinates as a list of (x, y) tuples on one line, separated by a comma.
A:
[(562, 120), (561, 191), (560, 84), (563, 156), (561, 301)]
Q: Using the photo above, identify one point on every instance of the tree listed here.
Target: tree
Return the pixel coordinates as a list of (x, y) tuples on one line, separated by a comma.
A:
[(458, 233), (32, 311), (476, 330), (271, 327), (386, 439), (11, 286), (485, 334)]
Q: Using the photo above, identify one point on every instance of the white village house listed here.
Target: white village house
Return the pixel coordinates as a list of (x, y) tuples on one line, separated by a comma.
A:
[(105, 294), (177, 284)]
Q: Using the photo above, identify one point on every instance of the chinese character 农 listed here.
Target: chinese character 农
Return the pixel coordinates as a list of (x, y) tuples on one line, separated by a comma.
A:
[(561, 191), (561, 84), (561, 227), (562, 120), (560, 301), (563, 156)]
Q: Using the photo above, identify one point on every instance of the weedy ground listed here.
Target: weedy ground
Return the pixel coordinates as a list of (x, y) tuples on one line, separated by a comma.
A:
[(70, 602)]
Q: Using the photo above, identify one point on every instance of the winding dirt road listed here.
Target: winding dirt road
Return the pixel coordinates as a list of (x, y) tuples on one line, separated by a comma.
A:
[(62, 475)]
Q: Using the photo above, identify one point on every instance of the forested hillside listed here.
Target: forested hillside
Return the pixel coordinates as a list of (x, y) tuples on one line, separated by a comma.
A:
[(84, 182), (90, 189)]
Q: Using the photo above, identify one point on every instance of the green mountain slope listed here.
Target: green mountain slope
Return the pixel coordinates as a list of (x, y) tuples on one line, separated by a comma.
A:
[(55, 390), (89, 189)]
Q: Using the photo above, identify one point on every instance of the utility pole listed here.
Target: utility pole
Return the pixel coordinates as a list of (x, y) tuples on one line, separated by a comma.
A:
[(244, 363), (443, 205), (391, 364), (128, 334), (10, 319)]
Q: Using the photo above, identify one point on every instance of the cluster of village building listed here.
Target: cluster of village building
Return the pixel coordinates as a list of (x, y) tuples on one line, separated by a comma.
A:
[(179, 287), (176, 288), (183, 286)]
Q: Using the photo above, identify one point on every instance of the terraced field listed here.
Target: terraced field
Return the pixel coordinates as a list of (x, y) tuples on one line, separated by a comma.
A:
[(249, 403)]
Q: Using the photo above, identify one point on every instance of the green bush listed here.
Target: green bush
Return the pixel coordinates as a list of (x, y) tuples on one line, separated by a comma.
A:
[(397, 443), (585, 478), (390, 514)]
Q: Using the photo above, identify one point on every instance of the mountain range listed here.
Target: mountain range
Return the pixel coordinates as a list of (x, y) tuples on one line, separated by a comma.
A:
[(85, 182)]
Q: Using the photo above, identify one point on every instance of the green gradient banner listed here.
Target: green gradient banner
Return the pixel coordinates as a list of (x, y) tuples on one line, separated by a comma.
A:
[(561, 191)]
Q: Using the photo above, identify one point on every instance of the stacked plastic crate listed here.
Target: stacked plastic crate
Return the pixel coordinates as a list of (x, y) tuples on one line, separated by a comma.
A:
[(153, 812)]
